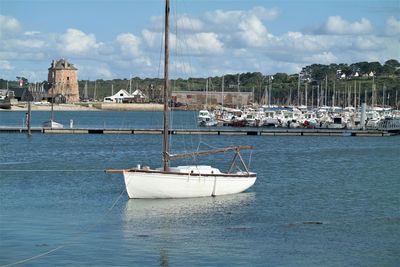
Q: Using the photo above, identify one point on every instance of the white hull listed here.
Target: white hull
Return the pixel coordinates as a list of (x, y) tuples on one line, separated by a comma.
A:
[(52, 124), (159, 184)]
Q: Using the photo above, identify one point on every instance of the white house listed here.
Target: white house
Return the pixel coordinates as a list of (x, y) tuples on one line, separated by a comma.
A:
[(122, 96), (139, 96)]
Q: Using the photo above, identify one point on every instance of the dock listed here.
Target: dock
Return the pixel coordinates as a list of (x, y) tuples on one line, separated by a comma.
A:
[(209, 131)]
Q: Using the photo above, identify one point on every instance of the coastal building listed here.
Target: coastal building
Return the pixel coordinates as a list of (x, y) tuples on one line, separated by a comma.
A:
[(122, 96), (63, 80)]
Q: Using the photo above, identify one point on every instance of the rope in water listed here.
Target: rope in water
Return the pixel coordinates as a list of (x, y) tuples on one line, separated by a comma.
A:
[(87, 170), (89, 228)]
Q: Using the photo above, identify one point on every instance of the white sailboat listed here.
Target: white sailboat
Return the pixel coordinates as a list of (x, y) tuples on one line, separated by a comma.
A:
[(185, 181), (206, 118)]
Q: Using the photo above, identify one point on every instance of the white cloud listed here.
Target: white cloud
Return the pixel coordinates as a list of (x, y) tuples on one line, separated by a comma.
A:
[(222, 41), (9, 25), (322, 58), (152, 38), (204, 43), (131, 53), (6, 65), (29, 43), (368, 43), (392, 26), (189, 24), (77, 42), (222, 21), (338, 25), (264, 13), (31, 33), (252, 31), (304, 43), (179, 67), (129, 44), (21, 55), (156, 23), (103, 71)]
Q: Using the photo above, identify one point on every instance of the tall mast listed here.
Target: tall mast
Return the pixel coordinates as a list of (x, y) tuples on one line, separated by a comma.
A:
[(130, 84), (298, 90), (223, 82), (95, 89), (166, 89), (238, 88), (206, 107), (85, 91), (306, 104), (52, 93)]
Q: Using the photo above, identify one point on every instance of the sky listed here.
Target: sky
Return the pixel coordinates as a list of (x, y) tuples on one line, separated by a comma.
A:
[(116, 39)]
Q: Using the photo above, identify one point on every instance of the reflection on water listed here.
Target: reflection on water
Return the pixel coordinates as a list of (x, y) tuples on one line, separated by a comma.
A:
[(163, 258), (146, 209), (169, 224)]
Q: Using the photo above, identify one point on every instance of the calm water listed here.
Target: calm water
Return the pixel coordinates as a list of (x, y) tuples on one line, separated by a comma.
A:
[(349, 184), (101, 119)]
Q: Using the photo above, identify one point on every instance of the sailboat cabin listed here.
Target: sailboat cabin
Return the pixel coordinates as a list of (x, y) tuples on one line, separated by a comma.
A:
[(63, 79)]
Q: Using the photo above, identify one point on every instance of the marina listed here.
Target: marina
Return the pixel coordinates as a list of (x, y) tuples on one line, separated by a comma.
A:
[(222, 132)]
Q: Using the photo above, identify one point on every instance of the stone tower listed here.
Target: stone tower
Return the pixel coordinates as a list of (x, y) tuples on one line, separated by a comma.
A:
[(63, 77)]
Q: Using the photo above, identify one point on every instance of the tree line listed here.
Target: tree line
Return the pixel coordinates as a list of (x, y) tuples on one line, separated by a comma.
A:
[(368, 79)]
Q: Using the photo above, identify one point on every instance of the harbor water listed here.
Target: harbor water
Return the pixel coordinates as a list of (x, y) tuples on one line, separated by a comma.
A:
[(318, 201)]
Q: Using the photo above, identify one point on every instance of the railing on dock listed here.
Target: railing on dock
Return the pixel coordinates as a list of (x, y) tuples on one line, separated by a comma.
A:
[(389, 125)]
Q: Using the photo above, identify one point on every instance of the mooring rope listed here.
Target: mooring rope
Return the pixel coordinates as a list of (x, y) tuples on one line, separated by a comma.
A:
[(85, 231), (87, 170)]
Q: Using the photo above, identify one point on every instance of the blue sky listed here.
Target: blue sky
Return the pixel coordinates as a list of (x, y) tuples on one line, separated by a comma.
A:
[(118, 39)]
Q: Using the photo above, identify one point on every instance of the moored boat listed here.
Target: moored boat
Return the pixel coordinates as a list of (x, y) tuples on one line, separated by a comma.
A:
[(185, 181)]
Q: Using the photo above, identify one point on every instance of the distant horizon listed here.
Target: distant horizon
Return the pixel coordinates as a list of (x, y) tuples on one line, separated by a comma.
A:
[(108, 39)]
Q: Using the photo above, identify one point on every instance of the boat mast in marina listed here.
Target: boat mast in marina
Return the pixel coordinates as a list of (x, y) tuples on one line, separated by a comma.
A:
[(85, 91), (222, 90), (298, 90)]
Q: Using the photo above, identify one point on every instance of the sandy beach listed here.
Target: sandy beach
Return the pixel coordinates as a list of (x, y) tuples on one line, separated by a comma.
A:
[(88, 107)]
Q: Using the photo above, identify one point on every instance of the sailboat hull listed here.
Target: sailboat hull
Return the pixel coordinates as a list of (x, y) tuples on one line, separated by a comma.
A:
[(158, 184)]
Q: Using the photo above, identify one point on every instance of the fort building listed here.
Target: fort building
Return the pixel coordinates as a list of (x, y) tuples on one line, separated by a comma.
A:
[(63, 79)]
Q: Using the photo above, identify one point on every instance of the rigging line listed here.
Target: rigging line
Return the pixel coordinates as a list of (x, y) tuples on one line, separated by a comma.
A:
[(90, 227), (251, 153), (186, 66), (184, 42), (173, 85), (208, 145), (109, 158), (161, 51), (34, 257)]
